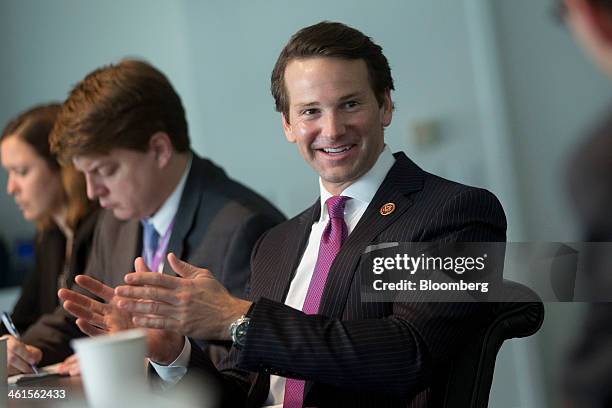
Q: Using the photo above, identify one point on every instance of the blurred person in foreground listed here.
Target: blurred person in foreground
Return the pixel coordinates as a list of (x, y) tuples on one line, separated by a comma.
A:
[(54, 198), (587, 380)]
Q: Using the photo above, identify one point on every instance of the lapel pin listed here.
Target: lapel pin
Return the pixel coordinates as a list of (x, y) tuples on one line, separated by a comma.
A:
[(387, 209)]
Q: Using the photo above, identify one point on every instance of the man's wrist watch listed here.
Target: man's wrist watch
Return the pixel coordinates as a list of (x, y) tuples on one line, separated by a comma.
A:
[(238, 331)]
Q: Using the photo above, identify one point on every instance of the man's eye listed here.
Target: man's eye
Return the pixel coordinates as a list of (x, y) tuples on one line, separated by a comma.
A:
[(106, 171), (310, 112), (351, 104)]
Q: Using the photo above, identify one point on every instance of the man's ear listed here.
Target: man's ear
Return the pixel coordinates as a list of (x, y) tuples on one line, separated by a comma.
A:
[(287, 129), (386, 110), (161, 147), (598, 17)]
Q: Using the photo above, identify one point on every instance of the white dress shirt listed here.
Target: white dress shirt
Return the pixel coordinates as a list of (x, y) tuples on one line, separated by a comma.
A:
[(161, 221)]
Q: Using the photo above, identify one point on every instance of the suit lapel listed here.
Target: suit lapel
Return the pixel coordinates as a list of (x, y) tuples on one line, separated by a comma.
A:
[(185, 214), (403, 179), (53, 243), (284, 271), (128, 242), (297, 251)]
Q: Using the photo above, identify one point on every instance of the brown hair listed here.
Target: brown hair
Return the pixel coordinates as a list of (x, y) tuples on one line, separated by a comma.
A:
[(119, 106), (331, 39), (33, 127)]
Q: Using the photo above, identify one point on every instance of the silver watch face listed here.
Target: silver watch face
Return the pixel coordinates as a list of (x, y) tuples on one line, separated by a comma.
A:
[(239, 331)]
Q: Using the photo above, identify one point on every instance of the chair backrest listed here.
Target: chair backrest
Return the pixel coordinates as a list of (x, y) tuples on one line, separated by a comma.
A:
[(468, 381)]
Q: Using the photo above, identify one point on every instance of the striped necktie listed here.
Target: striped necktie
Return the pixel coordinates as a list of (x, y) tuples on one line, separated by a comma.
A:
[(333, 236)]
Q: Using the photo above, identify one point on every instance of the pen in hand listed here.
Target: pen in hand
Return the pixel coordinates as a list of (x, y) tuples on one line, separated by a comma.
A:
[(10, 326)]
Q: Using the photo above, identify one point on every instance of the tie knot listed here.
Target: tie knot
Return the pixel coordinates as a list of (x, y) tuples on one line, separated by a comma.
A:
[(335, 206)]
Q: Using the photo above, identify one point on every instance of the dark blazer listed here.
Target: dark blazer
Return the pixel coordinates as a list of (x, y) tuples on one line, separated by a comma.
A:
[(39, 292), (354, 353), (217, 223)]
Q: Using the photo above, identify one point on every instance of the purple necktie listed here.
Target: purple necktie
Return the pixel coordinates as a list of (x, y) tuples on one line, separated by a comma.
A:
[(334, 234), (150, 241)]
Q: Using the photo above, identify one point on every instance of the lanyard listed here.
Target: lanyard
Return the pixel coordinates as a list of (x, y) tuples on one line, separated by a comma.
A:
[(155, 259)]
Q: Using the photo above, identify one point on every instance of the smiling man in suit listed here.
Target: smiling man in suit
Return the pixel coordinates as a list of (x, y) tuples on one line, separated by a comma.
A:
[(303, 336), (124, 127)]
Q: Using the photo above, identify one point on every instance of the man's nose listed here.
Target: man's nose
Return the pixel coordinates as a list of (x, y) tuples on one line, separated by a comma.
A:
[(333, 125)]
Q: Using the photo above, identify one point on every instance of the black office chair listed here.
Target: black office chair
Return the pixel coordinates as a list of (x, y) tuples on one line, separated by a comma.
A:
[(471, 373)]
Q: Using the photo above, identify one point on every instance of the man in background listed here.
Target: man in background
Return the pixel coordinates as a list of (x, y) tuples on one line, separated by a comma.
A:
[(124, 127)]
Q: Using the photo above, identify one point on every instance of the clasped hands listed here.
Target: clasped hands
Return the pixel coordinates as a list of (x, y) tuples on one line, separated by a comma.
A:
[(192, 304)]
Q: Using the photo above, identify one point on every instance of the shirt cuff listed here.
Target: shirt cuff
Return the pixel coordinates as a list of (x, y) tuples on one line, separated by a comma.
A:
[(173, 372)]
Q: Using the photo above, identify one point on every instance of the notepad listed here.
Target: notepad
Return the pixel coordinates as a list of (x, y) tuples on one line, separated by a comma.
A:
[(45, 372), (21, 379)]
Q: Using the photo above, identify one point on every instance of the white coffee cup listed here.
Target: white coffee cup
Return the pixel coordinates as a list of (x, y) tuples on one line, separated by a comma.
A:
[(112, 367), (3, 370)]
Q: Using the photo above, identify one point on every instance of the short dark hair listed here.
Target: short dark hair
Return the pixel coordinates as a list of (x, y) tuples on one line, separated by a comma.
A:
[(34, 127), (119, 106), (331, 39)]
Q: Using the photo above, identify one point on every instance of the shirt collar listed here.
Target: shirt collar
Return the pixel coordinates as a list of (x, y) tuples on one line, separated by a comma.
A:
[(163, 217), (362, 191)]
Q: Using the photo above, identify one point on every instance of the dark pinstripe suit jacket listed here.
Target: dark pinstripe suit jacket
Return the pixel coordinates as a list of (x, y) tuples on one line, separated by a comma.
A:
[(216, 226), (352, 353)]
